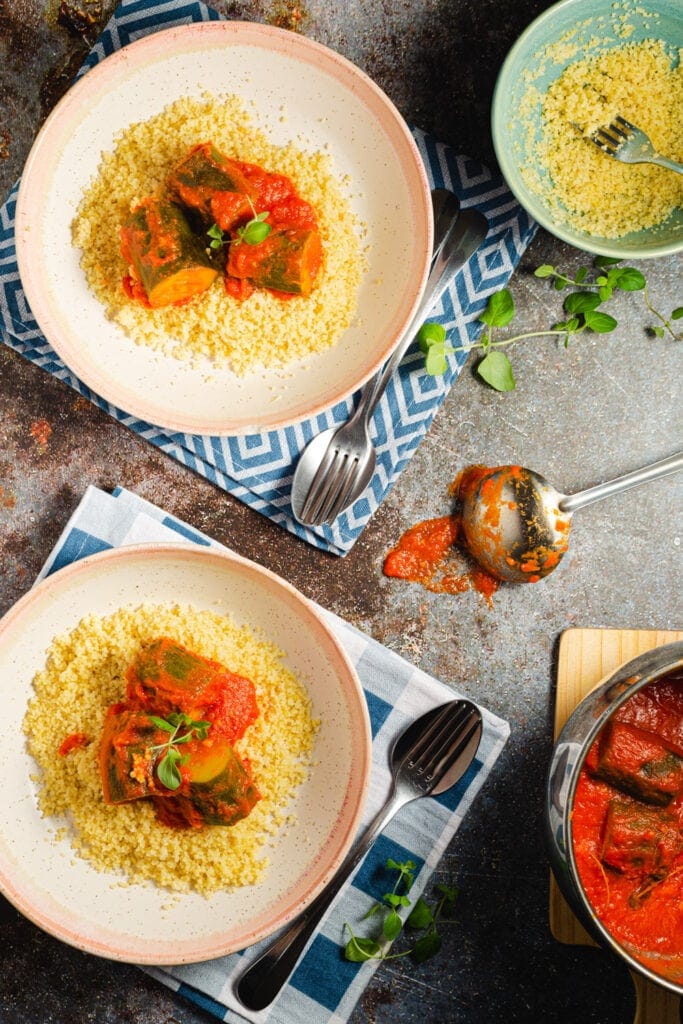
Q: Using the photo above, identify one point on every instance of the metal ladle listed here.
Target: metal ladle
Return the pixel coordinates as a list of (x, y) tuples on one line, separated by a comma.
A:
[(516, 525)]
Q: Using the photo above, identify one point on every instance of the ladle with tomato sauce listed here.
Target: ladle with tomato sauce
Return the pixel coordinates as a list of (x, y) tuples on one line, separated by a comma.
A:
[(516, 524)]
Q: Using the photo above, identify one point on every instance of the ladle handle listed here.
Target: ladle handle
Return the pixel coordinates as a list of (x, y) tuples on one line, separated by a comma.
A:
[(571, 502), (261, 982)]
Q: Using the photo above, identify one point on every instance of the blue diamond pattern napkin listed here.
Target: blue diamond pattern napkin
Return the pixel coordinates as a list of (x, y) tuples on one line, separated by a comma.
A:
[(324, 987), (258, 469)]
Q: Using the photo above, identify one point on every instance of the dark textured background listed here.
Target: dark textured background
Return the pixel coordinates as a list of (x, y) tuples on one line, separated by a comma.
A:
[(602, 407)]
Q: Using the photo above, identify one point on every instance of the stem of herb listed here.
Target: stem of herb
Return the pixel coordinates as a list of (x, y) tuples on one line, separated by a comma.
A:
[(666, 323)]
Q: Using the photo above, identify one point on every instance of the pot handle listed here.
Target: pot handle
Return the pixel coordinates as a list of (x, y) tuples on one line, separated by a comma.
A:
[(654, 1003)]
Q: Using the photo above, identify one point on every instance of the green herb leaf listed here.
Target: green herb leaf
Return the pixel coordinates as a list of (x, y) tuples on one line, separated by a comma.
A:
[(606, 261), (358, 949), (168, 773), (605, 292), (449, 892), (581, 302), (436, 363), (161, 723), (545, 270), (601, 323), (677, 313), (658, 332), (256, 233), (630, 280), (559, 284), (495, 368), (394, 899), (581, 275), (217, 237), (392, 926), (426, 947), (421, 915), (431, 333), (405, 871), (500, 309)]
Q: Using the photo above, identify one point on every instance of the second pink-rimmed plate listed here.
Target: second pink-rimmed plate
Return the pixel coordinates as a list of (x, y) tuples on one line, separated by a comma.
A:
[(332, 106), (97, 911)]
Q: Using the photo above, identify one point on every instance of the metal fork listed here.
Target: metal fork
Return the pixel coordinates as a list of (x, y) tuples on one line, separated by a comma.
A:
[(337, 466), (428, 758), (623, 141)]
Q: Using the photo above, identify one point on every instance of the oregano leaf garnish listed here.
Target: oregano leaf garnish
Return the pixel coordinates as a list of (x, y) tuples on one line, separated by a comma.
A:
[(181, 729)]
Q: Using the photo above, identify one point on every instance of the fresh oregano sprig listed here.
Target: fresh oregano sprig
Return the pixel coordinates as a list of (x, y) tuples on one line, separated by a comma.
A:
[(421, 918), (181, 729), (581, 307), (253, 232)]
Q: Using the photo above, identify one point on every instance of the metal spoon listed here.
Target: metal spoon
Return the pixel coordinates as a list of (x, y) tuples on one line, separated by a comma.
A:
[(455, 242), (516, 525), (429, 757)]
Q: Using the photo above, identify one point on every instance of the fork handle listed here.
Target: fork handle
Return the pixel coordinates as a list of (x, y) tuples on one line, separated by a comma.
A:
[(261, 982), (663, 161), (464, 238)]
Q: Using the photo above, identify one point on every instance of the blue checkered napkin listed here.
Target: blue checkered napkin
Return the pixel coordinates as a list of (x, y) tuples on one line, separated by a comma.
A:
[(258, 469), (324, 987)]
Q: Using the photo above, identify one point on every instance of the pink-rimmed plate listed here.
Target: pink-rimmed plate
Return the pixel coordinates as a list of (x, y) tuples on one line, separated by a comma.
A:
[(92, 910), (332, 106)]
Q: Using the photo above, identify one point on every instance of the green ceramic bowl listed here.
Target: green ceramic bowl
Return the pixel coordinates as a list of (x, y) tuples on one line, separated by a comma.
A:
[(590, 18)]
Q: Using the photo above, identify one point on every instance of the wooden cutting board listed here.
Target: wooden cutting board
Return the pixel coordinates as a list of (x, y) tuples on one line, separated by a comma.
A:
[(586, 656)]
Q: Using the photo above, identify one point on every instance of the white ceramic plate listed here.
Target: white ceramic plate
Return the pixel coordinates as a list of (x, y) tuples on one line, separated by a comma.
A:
[(330, 104), (64, 894)]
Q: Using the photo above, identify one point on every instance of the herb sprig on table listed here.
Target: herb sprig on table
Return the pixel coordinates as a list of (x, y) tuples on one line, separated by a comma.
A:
[(169, 757), (422, 918), (581, 306)]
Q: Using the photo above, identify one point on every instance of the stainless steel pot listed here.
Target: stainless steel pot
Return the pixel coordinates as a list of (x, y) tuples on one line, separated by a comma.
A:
[(573, 743)]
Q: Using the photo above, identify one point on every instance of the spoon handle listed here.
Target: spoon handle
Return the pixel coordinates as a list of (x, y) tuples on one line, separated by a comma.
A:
[(571, 502), (261, 982)]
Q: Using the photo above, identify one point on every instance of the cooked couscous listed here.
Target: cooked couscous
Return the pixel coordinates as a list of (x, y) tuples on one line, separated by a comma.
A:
[(262, 330), (583, 187), (85, 672)]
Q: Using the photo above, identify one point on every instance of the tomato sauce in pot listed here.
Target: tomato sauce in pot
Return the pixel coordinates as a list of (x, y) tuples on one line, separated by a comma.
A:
[(627, 826)]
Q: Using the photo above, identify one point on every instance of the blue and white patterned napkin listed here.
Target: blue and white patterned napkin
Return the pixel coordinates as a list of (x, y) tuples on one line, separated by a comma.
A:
[(258, 470), (325, 987)]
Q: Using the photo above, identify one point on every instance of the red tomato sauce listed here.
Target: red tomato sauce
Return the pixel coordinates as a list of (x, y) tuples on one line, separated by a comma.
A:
[(427, 552), (627, 822), (74, 741)]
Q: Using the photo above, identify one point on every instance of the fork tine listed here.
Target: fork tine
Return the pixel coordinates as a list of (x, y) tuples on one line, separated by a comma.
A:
[(624, 125), (316, 491), (422, 754), (617, 130), (604, 141), (336, 484), (442, 749), (457, 746), (344, 489)]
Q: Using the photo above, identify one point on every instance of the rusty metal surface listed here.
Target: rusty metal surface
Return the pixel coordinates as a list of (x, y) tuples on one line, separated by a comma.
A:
[(604, 406)]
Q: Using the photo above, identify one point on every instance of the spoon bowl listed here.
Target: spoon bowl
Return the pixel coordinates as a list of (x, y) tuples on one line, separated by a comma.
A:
[(517, 525)]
